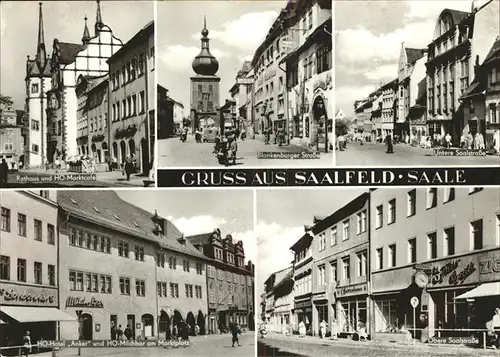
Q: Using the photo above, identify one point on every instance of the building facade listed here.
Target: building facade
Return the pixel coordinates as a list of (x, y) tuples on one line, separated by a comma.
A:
[(460, 40), (69, 61), (240, 96), (283, 301), (38, 82), (229, 281), (451, 239), (340, 268), (205, 94), (309, 79), (29, 295), (302, 275), (11, 136), (132, 99), (121, 266), (411, 70), (92, 116)]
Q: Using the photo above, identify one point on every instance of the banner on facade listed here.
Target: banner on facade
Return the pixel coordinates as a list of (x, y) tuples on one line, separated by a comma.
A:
[(358, 289), (13, 294), (434, 176)]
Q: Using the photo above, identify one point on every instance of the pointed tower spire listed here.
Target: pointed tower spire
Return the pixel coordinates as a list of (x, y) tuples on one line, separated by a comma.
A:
[(41, 53), (86, 33), (98, 18)]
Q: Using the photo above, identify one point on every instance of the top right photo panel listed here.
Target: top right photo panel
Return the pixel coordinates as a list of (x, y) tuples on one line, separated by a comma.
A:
[(417, 83)]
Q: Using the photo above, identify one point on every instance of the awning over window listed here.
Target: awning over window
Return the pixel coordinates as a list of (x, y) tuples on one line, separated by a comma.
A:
[(483, 290), (36, 314)]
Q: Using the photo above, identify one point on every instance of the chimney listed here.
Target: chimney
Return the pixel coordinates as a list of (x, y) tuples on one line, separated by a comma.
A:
[(476, 66)]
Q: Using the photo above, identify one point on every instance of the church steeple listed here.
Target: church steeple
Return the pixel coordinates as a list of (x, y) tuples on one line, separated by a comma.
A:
[(41, 53), (86, 33), (205, 63), (98, 18)]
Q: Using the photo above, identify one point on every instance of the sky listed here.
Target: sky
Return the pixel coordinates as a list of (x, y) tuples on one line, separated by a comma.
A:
[(281, 216), (236, 29), (63, 20), (368, 40), (197, 211)]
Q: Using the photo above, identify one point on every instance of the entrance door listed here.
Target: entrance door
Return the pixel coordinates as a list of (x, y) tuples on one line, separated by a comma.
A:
[(113, 321), (131, 324), (86, 326), (147, 325)]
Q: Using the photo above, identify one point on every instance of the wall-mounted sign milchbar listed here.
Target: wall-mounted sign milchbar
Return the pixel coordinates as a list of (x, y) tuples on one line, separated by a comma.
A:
[(13, 294), (75, 301)]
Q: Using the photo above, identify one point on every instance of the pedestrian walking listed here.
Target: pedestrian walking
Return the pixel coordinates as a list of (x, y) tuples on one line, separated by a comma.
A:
[(26, 343), (322, 329), (128, 333), (4, 171), (113, 331), (334, 329), (129, 167), (119, 332), (389, 145), (196, 330), (496, 327), (447, 138), (302, 329), (233, 149), (235, 331)]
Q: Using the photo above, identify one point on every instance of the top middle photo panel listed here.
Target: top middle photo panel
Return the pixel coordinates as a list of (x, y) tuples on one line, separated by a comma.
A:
[(417, 83), (245, 84)]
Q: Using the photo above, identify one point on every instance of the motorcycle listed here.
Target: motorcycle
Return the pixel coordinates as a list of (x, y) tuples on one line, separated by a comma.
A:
[(183, 137)]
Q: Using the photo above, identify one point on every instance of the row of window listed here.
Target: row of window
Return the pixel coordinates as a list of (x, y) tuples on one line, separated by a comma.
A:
[(90, 282), (128, 73), (361, 268), (5, 273), (129, 107), (236, 278), (161, 290), (84, 239), (361, 227), (5, 225), (322, 63)]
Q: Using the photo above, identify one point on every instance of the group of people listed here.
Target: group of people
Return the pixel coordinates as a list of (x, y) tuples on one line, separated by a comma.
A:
[(279, 138), (120, 334), (226, 148)]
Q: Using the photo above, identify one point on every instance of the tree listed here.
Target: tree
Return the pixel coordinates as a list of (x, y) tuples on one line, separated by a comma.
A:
[(342, 127)]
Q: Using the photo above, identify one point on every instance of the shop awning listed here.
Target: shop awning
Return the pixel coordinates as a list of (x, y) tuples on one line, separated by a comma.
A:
[(483, 290), (36, 314)]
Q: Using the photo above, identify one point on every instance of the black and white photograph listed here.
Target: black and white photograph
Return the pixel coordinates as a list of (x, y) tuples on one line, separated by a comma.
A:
[(77, 94), (245, 83), (128, 265), (379, 272), (417, 83)]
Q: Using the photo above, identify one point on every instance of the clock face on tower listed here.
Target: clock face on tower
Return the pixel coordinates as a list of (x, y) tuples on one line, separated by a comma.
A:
[(421, 279)]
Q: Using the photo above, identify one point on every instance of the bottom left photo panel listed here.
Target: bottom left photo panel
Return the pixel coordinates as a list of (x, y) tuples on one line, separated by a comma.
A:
[(127, 268)]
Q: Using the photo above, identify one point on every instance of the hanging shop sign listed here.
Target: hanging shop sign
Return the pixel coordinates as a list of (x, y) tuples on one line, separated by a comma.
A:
[(20, 295), (76, 301), (358, 289), (489, 266), (320, 297), (452, 272)]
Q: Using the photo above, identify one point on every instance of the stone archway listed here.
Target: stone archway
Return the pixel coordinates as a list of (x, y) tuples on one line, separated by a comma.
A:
[(190, 320), (164, 325), (200, 321), (123, 151), (86, 326), (147, 325), (320, 121)]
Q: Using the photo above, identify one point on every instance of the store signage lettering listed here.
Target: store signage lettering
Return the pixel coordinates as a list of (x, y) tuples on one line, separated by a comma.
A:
[(489, 266), (352, 290), (73, 301), (11, 295), (450, 270), (270, 74)]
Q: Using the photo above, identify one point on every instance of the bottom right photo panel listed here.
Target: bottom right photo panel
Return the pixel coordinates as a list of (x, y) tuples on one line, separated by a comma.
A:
[(378, 272)]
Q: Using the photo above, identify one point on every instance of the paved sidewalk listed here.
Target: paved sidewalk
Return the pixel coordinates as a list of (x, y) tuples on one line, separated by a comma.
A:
[(436, 348)]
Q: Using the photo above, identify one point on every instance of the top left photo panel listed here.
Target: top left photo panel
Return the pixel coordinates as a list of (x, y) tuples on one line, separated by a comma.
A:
[(77, 94)]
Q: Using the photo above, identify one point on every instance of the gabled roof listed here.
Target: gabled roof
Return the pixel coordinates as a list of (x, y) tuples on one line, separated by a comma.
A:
[(108, 209), (414, 54), (67, 51), (494, 53), (282, 275)]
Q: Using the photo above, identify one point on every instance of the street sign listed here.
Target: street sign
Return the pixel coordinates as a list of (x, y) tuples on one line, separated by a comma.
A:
[(245, 81), (414, 302)]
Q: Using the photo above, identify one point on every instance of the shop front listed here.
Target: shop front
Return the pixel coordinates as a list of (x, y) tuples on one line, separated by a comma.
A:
[(100, 315), (352, 308), (320, 312), (29, 308), (303, 313)]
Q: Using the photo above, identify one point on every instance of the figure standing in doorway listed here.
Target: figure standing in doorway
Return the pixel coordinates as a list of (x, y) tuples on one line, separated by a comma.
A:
[(26, 344)]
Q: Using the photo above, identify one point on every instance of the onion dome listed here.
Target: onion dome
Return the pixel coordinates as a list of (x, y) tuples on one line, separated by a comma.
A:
[(205, 63)]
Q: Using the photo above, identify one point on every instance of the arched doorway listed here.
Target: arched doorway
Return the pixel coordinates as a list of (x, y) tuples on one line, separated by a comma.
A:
[(147, 325), (105, 151), (191, 322), (177, 319), (115, 150), (86, 327), (319, 134), (144, 157), (123, 151), (94, 152), (200, 321), (164, 325)]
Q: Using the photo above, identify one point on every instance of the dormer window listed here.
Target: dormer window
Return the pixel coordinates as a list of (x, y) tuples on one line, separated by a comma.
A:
[(116, 217), (73, 201), (135, 224), (96, 209)]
